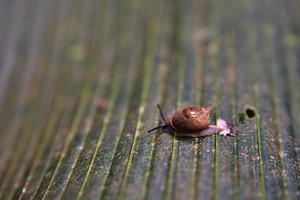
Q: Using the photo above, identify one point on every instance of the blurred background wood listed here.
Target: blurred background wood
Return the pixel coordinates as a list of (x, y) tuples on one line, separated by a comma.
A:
[(80, 80)]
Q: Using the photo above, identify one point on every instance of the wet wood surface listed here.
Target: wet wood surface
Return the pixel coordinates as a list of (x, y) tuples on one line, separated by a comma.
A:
[(80, 80)]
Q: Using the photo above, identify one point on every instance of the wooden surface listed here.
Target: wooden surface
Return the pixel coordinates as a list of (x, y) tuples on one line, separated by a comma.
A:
[(60, 58)]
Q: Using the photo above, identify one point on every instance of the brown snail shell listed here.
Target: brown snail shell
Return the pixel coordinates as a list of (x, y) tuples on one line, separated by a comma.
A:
[(191, 119)]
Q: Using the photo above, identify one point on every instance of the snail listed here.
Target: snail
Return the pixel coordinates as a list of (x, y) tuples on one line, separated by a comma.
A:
[(194, 122)]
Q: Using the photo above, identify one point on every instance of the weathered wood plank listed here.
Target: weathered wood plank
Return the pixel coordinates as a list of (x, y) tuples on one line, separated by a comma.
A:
[(59, 59), (139, 164), (81, 123), (282, 104), (73, 82), (27, 104), (291, 46), (38, 58), (157, 181), (52, 89), (227, 157), (10, 47), (9, 92), (249, 172), (185, 179)]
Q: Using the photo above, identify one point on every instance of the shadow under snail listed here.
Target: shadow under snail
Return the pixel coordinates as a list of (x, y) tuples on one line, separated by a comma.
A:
[(194, 122)]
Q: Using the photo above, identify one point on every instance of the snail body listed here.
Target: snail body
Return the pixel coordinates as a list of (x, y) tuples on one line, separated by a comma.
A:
[(192, 121)]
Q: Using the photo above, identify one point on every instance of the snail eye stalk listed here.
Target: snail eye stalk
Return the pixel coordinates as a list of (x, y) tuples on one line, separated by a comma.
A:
[(163, 118), (161, 113), (158, 127)]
